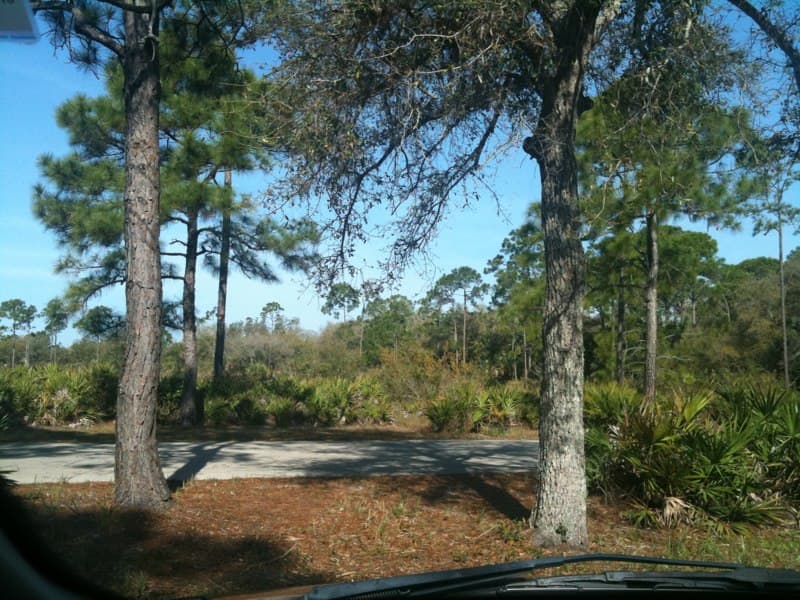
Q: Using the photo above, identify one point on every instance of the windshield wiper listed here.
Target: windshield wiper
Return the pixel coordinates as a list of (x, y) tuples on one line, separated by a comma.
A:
[(514, 578)]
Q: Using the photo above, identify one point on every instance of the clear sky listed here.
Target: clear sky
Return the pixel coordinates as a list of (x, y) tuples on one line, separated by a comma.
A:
[(34, 81)]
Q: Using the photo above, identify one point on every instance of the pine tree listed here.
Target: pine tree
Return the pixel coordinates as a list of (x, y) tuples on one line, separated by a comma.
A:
[(206, 128), (648, 156), (129, 32)]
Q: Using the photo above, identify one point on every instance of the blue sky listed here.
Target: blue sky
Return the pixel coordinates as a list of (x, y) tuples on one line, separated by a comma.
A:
[(36, 81)]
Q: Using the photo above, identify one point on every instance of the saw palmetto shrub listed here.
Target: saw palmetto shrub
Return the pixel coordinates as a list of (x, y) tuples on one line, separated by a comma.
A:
[(722, 458), (53, 394)]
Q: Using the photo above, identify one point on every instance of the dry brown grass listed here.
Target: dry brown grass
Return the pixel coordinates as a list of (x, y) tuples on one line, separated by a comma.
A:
[(412, 427), (238, 536)]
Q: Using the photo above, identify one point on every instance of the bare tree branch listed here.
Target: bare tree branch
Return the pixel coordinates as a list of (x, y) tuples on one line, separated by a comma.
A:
[(776, 34)]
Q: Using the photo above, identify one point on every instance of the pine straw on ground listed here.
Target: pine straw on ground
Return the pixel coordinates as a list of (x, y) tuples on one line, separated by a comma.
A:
[(245, 535)]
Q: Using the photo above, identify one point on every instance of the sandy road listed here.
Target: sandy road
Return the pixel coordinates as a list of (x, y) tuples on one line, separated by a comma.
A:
[(76, 462)]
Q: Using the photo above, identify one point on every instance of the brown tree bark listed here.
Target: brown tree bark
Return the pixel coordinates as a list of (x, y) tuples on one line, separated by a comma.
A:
[(619, 342), (464, 330), (526, 358), (189, 392), (559, 516), (787, 380), (651, 303), (222, 290), (455, 333), (138, 479)]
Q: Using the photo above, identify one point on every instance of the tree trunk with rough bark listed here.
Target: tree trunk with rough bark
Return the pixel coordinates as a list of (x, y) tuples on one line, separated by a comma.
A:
[(138, 479), (455, 334), (526, 359), (514, 356), (651, 302), (222, 290), (787, 380), (189, 392), (559, 516), (464, 330), (619, 342)]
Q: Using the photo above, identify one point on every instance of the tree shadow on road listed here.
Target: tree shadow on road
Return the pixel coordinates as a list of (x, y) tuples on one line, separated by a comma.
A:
[(201, 455)]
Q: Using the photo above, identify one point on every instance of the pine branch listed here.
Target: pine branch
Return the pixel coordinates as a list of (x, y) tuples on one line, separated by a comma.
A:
[(81, 24)]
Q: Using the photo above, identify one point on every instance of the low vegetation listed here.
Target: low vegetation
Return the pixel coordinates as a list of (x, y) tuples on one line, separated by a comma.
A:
[(723, 455)]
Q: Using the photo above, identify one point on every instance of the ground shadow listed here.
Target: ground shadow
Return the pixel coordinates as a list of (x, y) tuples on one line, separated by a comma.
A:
[(498, 497), (201, 455), (501, 493), (134, 553)]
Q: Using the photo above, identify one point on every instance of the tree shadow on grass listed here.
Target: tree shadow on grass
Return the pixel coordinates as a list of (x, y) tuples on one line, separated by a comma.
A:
[(135, 553), (490, 489), (497, 496)]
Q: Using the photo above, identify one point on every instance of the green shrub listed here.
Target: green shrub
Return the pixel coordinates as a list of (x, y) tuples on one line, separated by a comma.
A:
[(599, 460), (104, 386), (607, 404), (53, 394), (58, 395), (465, 406), (249, 410), (412, 377), (742, 399), (7, 411), (19, 388), (219, 412), (686, 459), (445, 414), (458, 410), (368, 402), (329, 401), (282, 411), (170, 391), (287, 387), (526, 393), (503, 406)]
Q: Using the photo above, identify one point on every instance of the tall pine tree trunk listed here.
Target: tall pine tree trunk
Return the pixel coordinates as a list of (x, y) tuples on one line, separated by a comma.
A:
[(222, 290), (526, 356), (651, 302), (189, 393), (514, 356), (619, 342), (138, 479), (455, 333), (464, 331), (782, 283)]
